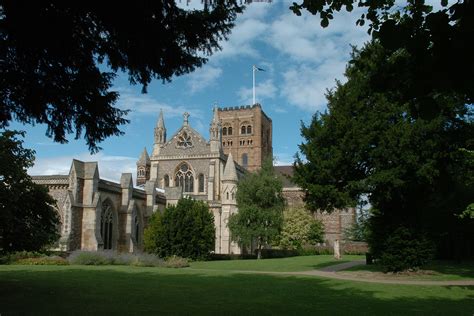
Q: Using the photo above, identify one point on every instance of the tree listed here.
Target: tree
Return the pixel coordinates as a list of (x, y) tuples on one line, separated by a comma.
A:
[(299, 229), (438, 42), (58, 58), (28, 220), (412, 164), (185, 230), (260, 202)]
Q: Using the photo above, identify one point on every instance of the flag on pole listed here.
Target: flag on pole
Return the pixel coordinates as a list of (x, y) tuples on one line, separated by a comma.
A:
[(258, 69)]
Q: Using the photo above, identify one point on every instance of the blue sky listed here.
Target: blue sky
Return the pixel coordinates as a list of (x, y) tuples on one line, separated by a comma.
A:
[(301, 60)]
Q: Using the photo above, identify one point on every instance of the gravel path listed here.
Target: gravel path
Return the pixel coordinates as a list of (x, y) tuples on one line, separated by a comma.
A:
[(331, 272)]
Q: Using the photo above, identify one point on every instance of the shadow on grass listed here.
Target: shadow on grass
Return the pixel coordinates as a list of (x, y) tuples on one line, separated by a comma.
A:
[(442, 270), (127, 290)]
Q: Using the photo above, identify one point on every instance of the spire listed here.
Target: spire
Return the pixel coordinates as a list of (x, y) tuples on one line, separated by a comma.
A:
[(215, 133), (161, 121), (160, 130), (215, 119), (144, 158), (230, 173)]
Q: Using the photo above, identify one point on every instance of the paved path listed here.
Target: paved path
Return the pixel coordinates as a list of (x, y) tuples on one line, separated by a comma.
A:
[(330, 272), (342, 266)]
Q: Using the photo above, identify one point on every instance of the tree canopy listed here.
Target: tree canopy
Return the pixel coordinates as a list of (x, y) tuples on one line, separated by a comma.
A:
[(413, 164), (58, 58), (28, 220), (261, 203), (185, 230)]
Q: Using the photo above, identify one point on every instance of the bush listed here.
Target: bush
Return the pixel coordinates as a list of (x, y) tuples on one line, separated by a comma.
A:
[(52, 260), (299, 228), (185, 230), (315, 251), (127, 259), (222, 256), (403, 251), (278, 253), (92, 258), (176, 262)]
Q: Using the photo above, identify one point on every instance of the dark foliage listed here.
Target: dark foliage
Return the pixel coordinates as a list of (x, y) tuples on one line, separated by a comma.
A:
[(28, 220), (404, 250), (185, 230), (415, 166), (58, 58)]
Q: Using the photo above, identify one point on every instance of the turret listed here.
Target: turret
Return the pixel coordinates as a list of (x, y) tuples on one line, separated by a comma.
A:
[(229, 182), (143, 168), (160, 135), (215, 132)]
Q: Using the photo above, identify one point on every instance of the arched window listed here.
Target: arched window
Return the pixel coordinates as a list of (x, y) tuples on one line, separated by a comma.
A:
[(233, 195), (229, 131), (137, 229), (224, 131), (141, 172), (166, 179), (201, 182), (106, 225), (184, 178), (227, 193), (242, 130), (244, 160), (249, 129)]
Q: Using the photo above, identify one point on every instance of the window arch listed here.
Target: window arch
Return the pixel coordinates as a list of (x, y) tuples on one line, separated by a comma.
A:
[(224, 131), (141, 172), (201, 182), (229, 130), (249, 129), (166, 180), (244, 160), (184, 178), (106, 224), (243, 130), (137, 229)]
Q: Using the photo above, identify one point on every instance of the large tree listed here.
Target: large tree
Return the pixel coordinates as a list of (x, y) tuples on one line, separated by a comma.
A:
[(261, 203), (28, 220), (58, 58), (411, 162)]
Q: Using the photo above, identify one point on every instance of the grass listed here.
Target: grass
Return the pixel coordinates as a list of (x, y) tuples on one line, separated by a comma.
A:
[(69, 290), (302, 263), (435, 271)]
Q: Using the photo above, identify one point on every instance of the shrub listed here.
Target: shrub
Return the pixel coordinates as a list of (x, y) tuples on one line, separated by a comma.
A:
[(403, 251), (52, 260), (94, 258), (176, 262), (222, 256), (299, 228), (185, 230), (148, 260), (315, 251)]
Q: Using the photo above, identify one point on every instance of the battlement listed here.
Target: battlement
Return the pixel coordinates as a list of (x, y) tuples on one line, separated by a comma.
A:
[(240, 107)]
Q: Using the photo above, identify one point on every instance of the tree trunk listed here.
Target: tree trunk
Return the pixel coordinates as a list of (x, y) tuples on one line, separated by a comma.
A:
[(259, 251)]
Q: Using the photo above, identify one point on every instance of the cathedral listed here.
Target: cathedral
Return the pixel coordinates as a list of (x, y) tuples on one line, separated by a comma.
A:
[(100, 214)]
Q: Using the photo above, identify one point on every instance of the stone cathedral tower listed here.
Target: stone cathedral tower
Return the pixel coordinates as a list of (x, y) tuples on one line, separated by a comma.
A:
[(247, 134)]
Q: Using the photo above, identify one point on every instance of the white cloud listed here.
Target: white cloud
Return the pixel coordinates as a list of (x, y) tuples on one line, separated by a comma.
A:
[(110, 167), (145, 104), (263, 90), (203, 78), (305, 87)]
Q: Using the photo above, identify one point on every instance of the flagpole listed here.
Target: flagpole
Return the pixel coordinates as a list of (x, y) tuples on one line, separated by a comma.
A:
[(253, 70)]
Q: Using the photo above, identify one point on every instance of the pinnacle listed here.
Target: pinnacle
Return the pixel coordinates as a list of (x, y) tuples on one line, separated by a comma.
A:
[(230, 172)]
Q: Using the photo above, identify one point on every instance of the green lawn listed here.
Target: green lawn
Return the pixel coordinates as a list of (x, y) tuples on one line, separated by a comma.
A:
[(303, 263), (435, 271), (122, 290)]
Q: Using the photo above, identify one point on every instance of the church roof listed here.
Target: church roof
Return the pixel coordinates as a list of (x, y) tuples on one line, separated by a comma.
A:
[(229, 171), (144, 158)]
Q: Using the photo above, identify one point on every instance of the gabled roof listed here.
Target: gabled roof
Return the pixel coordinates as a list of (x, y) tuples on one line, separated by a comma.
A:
[(285, 173)]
